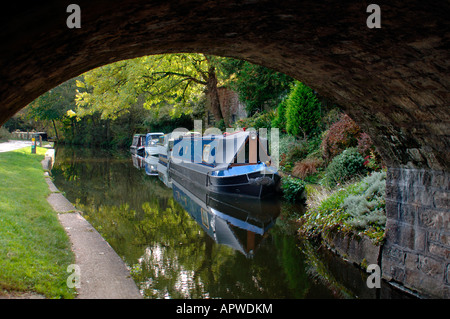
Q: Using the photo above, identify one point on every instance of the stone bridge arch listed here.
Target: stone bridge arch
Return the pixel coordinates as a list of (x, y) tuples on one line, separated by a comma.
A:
[(394, 81)]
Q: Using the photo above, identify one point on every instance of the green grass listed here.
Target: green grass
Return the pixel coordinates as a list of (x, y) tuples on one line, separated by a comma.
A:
[(34, 248)]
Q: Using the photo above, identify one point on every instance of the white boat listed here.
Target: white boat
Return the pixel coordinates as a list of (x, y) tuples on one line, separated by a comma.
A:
[(150, 143)]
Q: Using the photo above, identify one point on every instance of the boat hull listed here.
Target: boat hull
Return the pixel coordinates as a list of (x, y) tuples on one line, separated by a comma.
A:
[(255, 184)]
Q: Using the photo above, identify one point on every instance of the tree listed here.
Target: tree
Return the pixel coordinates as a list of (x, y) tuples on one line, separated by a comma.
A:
[(256, 85), (54, 104), (303, 111), (174, 80)]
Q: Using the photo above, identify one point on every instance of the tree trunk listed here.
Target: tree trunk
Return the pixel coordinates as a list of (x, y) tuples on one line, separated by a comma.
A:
[(213, 94), (56, 131)]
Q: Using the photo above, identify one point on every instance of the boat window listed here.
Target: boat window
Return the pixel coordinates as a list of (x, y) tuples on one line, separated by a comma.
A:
[(206, 152), (252, 152)]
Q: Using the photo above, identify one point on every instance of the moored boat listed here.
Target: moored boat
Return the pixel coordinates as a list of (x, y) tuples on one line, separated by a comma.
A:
[(151, 140), (164, 148), (138, 145), (236, 163)]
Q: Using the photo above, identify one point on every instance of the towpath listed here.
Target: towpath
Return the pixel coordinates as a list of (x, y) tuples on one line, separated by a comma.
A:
[(13, 145), (102, 273)]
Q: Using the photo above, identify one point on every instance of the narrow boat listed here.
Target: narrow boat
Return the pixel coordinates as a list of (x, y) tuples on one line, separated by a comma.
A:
[(138, 145), (164, 148), (236, 163), (151, 139)]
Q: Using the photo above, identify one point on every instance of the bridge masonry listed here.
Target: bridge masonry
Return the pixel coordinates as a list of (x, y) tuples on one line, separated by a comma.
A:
[(416, 253)]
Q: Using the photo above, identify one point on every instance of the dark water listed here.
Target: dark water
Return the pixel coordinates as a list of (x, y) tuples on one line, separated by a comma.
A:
[(180, 243)]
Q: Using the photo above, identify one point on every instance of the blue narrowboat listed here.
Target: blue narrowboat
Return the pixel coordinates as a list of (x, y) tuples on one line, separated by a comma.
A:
[(236, 163)]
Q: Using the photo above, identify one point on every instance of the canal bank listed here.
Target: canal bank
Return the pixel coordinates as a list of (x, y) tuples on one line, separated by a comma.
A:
[(98, 272), (155, 230)]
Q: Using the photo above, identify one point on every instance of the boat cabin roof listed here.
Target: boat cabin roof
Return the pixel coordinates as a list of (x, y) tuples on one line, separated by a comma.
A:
[(220, 151)]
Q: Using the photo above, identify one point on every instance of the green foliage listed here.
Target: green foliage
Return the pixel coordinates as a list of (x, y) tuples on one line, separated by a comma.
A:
[(4, 134), (258, 87), (221, 125), (357, 208), (367, 208), (286, 142), (257, 121), (54, 104), (171, 80), (303, 111), (293, 189), (293, 150), (279, 120), (328, 215), (344, 166)]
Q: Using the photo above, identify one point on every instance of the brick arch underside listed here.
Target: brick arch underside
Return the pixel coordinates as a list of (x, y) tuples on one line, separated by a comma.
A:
[(393, 81)]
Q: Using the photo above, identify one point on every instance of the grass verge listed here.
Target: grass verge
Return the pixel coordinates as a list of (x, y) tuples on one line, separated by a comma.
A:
[(34, 248)]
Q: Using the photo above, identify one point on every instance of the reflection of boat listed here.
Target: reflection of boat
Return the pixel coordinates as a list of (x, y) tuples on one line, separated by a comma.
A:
[(163, 174), (138, 161), (138, 145), (235, 163), (164, 148), (151, 163), (151, 139), (240, 223)]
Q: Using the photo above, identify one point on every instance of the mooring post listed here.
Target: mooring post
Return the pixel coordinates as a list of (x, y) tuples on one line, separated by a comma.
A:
[(33, 145)]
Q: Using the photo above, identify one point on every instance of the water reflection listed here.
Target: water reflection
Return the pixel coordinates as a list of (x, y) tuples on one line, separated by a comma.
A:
[(181, 243), (239, 224)]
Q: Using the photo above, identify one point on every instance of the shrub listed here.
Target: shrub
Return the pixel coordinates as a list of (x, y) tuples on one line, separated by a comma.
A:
[(365, 144), (344, 166), (367, 207), (293, 189), (303, 111), (279, 120), (291, 151), (307, 167), (286, 142), (297, 151), (4, 134), (357, 208), (257, 120), (340, 136)]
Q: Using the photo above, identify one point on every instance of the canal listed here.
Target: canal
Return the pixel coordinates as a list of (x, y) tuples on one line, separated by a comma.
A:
[(180, 243)]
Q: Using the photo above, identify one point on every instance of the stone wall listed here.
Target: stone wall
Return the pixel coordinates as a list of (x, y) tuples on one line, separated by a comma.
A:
[(358, 250), (417, 249), (230, 105)]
